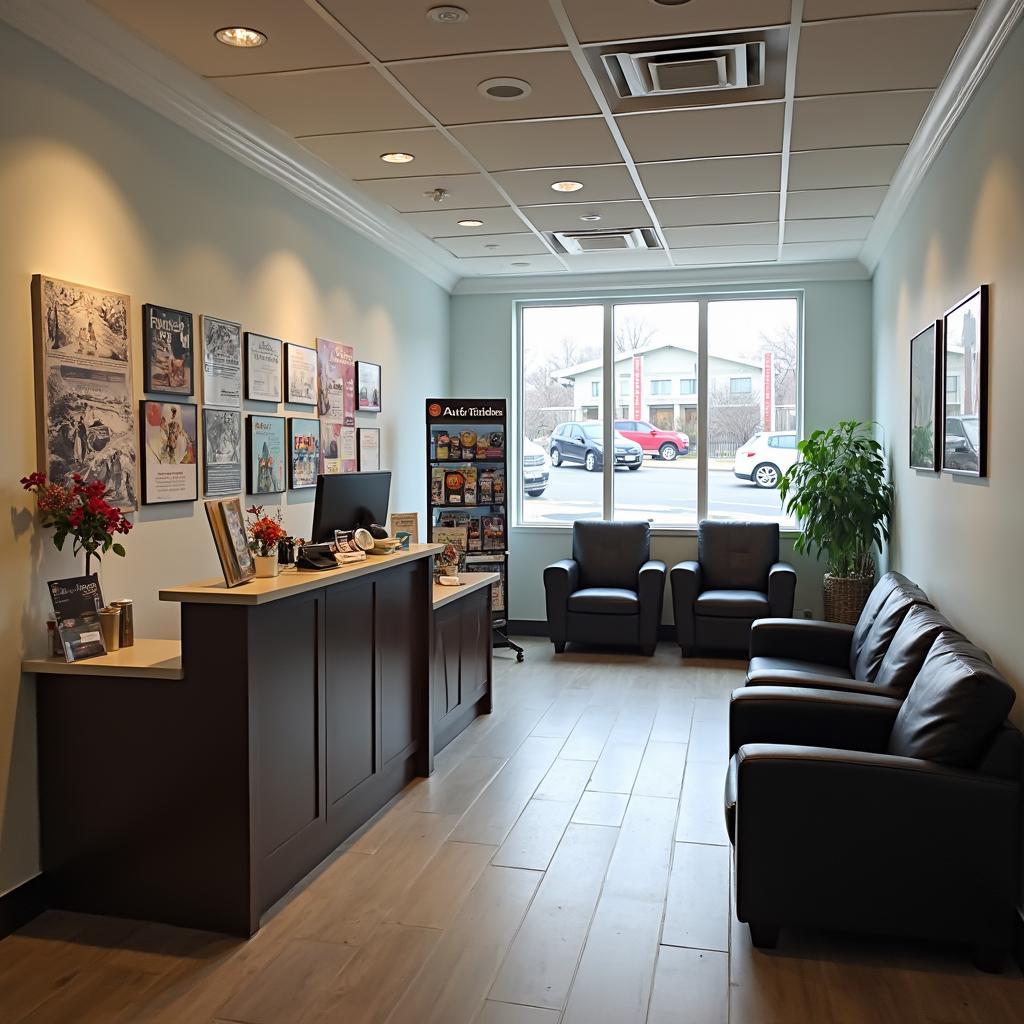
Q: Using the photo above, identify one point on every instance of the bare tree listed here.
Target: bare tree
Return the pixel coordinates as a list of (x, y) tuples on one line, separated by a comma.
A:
[(547, 397), (731, 418), (783, 349), (632, 333)]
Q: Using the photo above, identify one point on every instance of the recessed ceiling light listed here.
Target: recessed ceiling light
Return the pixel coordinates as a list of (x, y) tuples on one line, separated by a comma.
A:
[(590, 218), (448, 15), (470, 223), (504, 88), (492, 245), (521, 263), (567, 186), (397, 158), (239, 35)]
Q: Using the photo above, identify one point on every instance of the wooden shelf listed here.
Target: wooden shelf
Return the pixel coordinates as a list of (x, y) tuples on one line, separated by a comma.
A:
[(470, 581), (146, 659)]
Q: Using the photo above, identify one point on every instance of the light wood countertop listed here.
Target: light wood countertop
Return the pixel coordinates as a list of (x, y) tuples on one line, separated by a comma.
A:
[(146, 659), (469, 582)]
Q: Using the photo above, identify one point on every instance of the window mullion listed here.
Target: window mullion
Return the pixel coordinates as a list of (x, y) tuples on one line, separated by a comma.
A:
[(607, 407), (703, 439)]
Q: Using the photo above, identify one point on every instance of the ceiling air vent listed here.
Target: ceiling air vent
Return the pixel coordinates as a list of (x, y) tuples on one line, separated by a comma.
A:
[(684, 69), (575, 243)]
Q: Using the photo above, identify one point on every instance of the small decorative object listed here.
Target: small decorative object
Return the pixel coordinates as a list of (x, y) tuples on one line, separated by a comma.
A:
[(368, 386), (265, 460), (262, 368), (127, 636), (839, 493), (53, 644), (369, 449), (222, 452), (965, 389), (265, 534), (407, 523), (304, 452), (80, 512), (76, 608), (222, 362), (447, 562), (170, 440), (925, 397), (167, 350), (110, 626), (229, 536), (300, 374)]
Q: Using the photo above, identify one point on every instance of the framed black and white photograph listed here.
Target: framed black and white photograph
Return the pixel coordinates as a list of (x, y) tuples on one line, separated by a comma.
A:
[(168, 345), (368, 444), (170, 467), (266, 455), (925, 397), (262, 368), (367, 386), (222, 452), (965, 386), (222, 362), (300, 374)]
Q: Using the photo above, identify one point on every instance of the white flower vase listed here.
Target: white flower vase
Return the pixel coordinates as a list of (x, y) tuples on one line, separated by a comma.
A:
[(266, 566)]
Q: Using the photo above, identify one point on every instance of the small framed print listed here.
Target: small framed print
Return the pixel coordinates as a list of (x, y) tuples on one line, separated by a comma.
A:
[(300, 374), (369, 449), (222, 452), (262, 368), (367, 387), (925, 397), (265, 454), (229, 537), (304, 452), (168, 347), (170, 470), (965, 386)]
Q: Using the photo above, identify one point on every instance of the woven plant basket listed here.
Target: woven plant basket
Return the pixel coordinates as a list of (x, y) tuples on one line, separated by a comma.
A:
[(845, 597)]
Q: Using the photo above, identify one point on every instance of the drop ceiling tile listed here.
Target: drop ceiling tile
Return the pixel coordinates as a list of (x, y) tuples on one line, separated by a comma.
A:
[(903, 51), (600, 184), (703, 132), (448, 87), (524, 244), (723, 234), (401, 29), (867, 119), (721, 176), (844, 168), (408, 195), (444, 223), (357, 154), (835, 202), (676, 213), (296, 37), (500, 265), (725, 254), (327, 100), (512, 145), (817, 10), (809, 252), (601, 20), (568, 217), (831, 229), (642, 259)]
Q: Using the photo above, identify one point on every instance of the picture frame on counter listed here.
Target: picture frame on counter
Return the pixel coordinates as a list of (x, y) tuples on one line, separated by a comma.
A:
[(229, 537), (408, 523), (368, 386), (926, 397), (263, 368), (168, 348), (266, 456), (222, 452), (368, 445), (304, 452), (965, 386), (170, 446), (300, 367)]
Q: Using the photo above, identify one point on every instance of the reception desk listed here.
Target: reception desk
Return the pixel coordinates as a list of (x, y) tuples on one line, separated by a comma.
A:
[(197, 788)]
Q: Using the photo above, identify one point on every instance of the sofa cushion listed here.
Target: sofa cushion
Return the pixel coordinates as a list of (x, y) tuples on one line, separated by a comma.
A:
[(610, 554), (762, 669), (879, 595), (737, 555), (605, 601), (731, 786), (889, 619), (733, 604), (910, 646), (955, 706)]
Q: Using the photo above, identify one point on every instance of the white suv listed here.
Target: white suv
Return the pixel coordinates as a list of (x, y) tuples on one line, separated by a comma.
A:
[(765, 457)]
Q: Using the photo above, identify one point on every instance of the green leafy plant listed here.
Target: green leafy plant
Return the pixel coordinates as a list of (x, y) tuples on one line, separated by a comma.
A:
[(922, 446), (839, 493)]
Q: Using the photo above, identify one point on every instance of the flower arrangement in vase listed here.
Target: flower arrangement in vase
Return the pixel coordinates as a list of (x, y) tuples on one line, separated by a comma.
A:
[(265, 533)]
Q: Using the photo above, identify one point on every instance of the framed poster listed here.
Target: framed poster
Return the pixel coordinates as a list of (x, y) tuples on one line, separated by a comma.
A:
[(262, 368), (304, 452), (86, 407), (368, 386), (925, 397), (170, 471), (337, 384), (965, 386), (265, 455), (222, 452), (228, 529), (300, 374), (167, 350), (337, 447), (369, 449), (222, 362)]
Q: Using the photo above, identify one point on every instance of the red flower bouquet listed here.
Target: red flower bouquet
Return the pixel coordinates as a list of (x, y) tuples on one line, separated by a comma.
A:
[(264, 532)]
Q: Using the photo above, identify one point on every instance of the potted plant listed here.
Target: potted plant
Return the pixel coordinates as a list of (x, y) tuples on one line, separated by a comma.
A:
[(265, 533), (839, 493), (80, 512)]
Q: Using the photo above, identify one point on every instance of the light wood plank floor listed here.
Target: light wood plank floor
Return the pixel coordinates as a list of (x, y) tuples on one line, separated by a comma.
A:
[(567, 864)]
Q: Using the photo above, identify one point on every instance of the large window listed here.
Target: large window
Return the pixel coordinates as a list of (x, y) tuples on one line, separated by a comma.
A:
[(641, 449)]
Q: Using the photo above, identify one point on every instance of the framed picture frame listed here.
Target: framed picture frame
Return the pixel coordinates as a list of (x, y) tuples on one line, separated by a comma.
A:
[(263, 371), (266, 456), (222, 362), (368, 448), (965, 386), (300, 366), (170, 446), (228, 528), (222, 452), (367, 386), (926, 397), (168, 349), (303, 452)]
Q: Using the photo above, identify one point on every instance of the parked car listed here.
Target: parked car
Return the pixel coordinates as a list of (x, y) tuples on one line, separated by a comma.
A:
[(662, 444), (962, 443), (536, 468), (766, 456), (584, 443)]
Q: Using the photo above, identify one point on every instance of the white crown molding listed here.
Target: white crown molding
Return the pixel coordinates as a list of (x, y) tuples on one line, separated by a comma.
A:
[(769, 274), (89, 38), (991, 27)]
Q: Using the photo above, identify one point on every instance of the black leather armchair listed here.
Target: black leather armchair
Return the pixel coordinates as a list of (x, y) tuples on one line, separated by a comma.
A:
[(610, 591), (827, 791), (736, 579)]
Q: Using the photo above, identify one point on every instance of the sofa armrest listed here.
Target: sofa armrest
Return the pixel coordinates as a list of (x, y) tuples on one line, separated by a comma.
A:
[(687, 584), (814, 681), (827, 643), (651, 591), (793, 715), (781, 589), (561, 579)]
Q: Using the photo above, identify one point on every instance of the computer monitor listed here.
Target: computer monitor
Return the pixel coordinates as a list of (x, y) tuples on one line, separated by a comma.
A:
[(345, 501)]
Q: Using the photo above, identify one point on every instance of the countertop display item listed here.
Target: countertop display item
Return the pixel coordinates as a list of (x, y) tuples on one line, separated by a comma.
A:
[(222, 362), (222, 452), (369, 449), (263, 368), (228, 528), (127, 633), (168, 347), (110, 627), (85, 418), (303, 452), (300, 374), (76, 608), (170, 440), (406, 527), (265, 454), (367, 387), (965, 396), (265, 535)]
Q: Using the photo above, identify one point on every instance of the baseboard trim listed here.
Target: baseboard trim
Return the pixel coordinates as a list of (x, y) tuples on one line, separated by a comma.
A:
[(21, 904), (532, 627)]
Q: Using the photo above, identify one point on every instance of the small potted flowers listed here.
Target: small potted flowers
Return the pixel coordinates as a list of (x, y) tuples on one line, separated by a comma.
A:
[(265, 532)]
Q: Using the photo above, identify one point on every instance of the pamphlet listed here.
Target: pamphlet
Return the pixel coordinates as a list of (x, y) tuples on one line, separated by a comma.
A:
[(407, 523), (490, 563), (76, 606)]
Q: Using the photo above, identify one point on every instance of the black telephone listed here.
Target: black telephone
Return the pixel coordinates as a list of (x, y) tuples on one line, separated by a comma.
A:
[(316, 557)]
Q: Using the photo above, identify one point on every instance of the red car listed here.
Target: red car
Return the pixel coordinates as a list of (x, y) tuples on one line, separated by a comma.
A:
[(662, 444)]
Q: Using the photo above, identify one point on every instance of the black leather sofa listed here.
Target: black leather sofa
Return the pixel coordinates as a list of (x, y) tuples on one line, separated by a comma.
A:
[(736, 579), (610, 592)]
